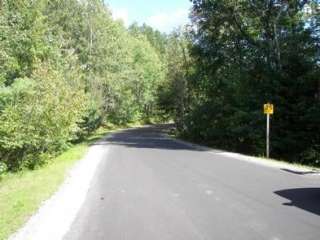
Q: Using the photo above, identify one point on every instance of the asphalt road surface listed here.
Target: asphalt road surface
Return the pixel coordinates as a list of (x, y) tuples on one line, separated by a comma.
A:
[(150, 187)]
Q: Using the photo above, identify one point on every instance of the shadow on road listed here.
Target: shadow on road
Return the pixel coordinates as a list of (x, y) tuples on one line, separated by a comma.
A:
[(305, 198), (300, 172), (155, 136)]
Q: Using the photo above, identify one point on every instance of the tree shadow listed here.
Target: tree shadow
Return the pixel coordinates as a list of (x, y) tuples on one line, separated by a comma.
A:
[(155, 137), (307, 199)]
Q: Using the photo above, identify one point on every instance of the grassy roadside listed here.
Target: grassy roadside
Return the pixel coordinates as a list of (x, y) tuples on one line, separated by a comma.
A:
[(22, 193)]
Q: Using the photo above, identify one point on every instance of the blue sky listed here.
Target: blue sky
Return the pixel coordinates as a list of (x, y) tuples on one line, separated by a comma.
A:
[(164, 15)]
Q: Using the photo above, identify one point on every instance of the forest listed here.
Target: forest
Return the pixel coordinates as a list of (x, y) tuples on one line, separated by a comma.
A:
[(67, 67)]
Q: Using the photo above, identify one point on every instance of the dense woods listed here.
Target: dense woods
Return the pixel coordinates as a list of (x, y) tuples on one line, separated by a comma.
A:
[(245, 54), (66, 67)]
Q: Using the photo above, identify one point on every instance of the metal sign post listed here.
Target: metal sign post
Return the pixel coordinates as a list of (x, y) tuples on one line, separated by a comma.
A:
[(268, 135), (268, 110)]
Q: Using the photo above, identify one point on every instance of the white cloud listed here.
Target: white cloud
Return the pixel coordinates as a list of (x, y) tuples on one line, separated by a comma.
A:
[(166, 22), (121, 14)]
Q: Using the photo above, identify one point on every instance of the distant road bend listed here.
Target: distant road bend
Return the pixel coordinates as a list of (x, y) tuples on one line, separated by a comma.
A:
[(151, 187)]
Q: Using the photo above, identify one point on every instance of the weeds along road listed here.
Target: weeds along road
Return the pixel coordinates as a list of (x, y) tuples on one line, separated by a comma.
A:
[(149, 186)]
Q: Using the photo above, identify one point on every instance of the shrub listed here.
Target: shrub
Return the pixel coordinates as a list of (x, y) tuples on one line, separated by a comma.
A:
[(90, 121), (39, 117), (3, 168), (311, 156)]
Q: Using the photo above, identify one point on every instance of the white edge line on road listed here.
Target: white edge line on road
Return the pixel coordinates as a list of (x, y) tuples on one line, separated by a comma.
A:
[(56, 215), (255, 160)]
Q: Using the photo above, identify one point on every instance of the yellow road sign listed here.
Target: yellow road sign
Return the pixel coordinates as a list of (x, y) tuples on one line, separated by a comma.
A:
[(268, 109)]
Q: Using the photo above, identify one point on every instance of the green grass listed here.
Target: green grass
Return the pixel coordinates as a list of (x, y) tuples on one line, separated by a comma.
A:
[(22, 193)]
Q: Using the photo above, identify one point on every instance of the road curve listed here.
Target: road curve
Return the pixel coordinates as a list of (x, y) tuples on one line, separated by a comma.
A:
[(150, 187)]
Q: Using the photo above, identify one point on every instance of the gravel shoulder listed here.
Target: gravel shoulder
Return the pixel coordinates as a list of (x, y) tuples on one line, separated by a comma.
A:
[(56, 215)]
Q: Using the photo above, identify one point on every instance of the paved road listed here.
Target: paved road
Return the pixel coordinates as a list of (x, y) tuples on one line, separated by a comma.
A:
[(150, 187)]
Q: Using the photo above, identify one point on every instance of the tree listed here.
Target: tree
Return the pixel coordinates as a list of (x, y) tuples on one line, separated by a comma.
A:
[(174, 92), (66, 67), (249, 53)]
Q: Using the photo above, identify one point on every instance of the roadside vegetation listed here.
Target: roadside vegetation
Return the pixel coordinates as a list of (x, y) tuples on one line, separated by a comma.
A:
[(21, 193), (237, 56), (67, 68)]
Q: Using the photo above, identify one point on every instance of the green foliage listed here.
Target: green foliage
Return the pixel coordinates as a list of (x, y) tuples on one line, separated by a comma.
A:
[(22, 193), (90, 121), (3, 168), (311, 155), (39, 117), (65, 68), (158, 40), (179, 66), (249, 53)]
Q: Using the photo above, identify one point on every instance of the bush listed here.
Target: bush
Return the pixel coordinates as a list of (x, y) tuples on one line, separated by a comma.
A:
[(90, 121), (311, 156), (3, 168), (39, 117)]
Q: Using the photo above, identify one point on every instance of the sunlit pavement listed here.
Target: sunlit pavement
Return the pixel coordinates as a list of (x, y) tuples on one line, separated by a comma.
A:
[(151, 187)]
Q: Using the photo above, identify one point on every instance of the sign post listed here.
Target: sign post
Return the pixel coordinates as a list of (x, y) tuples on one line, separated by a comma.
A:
[(268, 136), (268, 110)]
